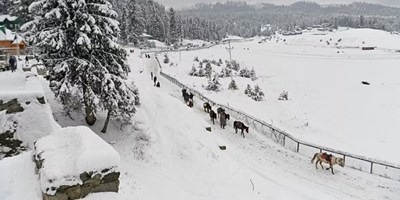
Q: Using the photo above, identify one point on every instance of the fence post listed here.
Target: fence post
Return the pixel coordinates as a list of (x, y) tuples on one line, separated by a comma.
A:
[(284, 138), (298, 147), (371, 167)]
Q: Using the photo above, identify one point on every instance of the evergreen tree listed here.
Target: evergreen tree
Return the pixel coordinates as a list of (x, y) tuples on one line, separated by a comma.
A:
[(213, 84), (232, 85), (253, 75), (248, 91), (77, 39), (174, 35), (193, 72), (208, 70), (257, 94)]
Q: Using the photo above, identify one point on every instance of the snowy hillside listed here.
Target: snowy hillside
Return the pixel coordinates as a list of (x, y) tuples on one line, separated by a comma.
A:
[(328, 105)]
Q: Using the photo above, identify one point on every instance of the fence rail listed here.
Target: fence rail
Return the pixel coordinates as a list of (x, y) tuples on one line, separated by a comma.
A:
[(362, 163)]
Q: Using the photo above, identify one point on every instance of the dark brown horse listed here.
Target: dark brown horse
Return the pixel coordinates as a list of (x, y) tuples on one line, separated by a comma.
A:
[(190, 103), (207, 107), (222, 120), (213, 116), (239, 125), (220, 110)]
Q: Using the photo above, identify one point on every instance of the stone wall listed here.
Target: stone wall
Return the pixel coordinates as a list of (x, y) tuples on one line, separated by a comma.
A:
[(91, 183)]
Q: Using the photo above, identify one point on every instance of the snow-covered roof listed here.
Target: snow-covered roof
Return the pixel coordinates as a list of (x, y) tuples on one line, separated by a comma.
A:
[(7, 34), (71, 151), (8, 17)]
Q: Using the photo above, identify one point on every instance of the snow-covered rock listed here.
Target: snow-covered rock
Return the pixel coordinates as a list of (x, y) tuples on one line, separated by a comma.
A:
[(74, 161)]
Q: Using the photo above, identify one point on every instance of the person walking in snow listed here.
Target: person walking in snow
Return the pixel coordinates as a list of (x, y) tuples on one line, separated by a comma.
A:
[(155, 80), (26, 60), (12, 61)]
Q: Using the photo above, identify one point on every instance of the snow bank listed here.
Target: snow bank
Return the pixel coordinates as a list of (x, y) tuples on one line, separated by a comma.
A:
[(18, 179), (69, 152)]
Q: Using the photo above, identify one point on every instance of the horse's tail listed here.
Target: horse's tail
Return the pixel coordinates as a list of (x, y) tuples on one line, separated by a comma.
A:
[(313, 158)]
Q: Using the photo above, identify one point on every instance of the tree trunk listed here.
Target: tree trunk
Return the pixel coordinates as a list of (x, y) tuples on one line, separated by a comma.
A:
[(90, 118), (104, 130)]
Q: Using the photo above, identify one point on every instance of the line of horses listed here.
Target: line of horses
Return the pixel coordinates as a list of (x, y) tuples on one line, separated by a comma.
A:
[(223, 117)]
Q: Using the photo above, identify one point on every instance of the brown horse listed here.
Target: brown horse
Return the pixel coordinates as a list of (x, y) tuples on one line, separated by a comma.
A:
[(207, 107), (220, 110), (213, 116), (239, 125), (327, 158)]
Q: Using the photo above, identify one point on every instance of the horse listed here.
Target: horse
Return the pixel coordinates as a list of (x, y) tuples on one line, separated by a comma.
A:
[(222, 120), (183, 92), (227, 116), (207, 107), (190, 96), (220, 110), (213, 116), (239, 125), (190, 103), (329, 159)]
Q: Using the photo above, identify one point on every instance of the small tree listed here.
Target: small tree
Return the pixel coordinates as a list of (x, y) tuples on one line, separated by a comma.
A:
[(213, 84), (244, 73), (248, 91), (208, 70), (284, 96), (253, 75), (201, 72), (232, 85), (257, 94), (193, 72), (235, 65), (196, 59)]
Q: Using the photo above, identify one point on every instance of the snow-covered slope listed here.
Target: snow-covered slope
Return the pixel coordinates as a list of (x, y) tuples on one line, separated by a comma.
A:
[(172, 156), (327, 104)]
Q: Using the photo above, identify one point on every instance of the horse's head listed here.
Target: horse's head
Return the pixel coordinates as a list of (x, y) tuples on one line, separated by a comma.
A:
[(340, 161), (246, 128)]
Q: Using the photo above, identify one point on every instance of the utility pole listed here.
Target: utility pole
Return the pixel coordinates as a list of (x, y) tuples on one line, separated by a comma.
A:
[(230, 51)]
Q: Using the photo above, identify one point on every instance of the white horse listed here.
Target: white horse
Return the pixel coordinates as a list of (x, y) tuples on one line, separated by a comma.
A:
[(329, 159)]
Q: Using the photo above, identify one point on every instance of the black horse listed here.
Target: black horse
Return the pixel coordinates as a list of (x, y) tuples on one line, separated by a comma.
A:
[(239, 125), (213, 116), (207, 107)]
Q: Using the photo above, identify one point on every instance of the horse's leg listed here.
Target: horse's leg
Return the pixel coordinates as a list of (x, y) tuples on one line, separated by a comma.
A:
[(316, 164), (236, 130), (242, 133), (331, 168), (320, 163)]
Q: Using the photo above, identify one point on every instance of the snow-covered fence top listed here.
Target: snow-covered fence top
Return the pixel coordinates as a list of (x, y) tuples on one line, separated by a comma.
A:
[(373, 166), (67, 153)]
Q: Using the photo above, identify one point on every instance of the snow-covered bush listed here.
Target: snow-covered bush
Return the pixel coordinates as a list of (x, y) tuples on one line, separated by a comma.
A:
[(235, 65), (244, 73), (232, 85), (213, 84), (284, 96), (225, 72), (208, 70), (193, 71)]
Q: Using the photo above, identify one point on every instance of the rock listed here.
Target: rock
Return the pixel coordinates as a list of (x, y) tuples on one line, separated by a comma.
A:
[(74, 192), (85, 190), (365, 83), (12, 106), (208, 129), (110, 177), (94, 181), (41, 100), (222, 147), (85, 176), (107, 187), (57, 196)]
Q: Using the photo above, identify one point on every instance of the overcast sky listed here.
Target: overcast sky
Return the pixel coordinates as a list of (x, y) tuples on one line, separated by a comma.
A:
[(186, 3)]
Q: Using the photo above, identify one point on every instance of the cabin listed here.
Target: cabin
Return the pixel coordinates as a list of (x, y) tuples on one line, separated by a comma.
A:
[(10, 42)]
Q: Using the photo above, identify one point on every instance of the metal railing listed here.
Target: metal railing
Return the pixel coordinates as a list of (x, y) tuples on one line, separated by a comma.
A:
[(362, 163)]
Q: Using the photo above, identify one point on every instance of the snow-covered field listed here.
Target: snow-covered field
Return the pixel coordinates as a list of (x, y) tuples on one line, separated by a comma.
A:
[(169, 154), (327, 104)]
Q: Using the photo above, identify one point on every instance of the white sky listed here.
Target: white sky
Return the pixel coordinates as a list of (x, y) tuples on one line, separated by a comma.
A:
[(186, 3)]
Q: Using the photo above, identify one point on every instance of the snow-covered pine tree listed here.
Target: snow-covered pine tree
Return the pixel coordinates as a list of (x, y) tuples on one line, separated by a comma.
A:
[(232, 85), (248, 91), (77, 39), (213, 84), (193, 71), (253, 75), (244, 73), (208, 70), (257, 94), (174, 33), (136, 21)]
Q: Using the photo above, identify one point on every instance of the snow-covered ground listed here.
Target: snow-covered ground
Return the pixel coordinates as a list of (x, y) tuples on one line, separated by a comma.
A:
[(327, 104), (169, 154)]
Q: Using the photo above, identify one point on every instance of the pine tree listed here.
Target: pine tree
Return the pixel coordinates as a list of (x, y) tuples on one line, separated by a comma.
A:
[(257, 94), (174, 35), (193, 72), (253, 75), (232, 85), (213, 84), (208, 70), (77, 39), (248, 91)]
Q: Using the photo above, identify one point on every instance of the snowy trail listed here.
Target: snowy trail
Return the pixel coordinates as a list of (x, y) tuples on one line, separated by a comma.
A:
[(183, 161)]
